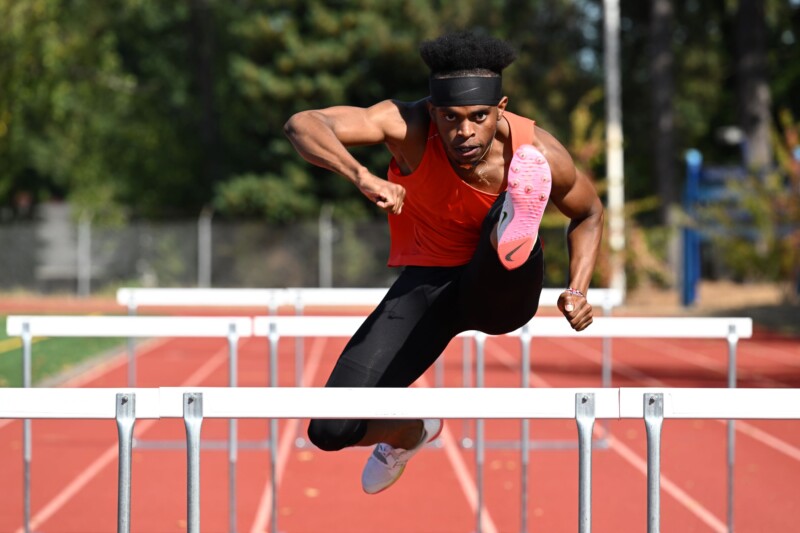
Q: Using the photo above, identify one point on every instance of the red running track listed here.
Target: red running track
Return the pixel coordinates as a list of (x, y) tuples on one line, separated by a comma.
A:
[(75, 466)]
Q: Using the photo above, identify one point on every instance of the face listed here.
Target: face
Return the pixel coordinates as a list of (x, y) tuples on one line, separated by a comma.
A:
[(467, 131)]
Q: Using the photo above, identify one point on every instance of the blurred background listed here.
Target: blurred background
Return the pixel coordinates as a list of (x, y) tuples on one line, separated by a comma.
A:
[(141, 142)]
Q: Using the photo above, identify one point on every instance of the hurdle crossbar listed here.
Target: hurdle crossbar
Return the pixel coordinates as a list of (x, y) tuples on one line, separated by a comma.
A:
[(303, 296), (196, 404), (585, 405), (27, 327), (730, 329)]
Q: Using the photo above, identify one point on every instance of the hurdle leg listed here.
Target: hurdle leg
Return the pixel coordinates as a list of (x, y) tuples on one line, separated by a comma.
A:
[(26, 430), (607, 373), (733, 340), (193, 420), (126, 417), (584, 416), (466, 376), (273, 426), (525, 345), (131, 350), (480, 341), (653, 420), (299, 366), (233, 445), (299, 347)]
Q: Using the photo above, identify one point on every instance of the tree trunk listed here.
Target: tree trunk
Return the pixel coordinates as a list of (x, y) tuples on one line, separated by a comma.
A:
[(754, 94), (202, 57), (662, 93)]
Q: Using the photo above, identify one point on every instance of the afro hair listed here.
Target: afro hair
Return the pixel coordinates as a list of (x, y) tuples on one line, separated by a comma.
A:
[(465, 53)]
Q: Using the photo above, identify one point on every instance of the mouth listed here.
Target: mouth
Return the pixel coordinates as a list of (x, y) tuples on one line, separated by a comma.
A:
[(467, 152)]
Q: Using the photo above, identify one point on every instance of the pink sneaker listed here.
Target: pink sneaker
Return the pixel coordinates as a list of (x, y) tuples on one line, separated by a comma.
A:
[(529, 183)]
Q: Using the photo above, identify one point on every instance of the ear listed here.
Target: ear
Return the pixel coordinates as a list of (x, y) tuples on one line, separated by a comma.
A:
[(430, 108), (501, 106)]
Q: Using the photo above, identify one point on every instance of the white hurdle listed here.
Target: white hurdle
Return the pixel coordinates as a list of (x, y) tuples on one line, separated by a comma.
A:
[(584, 405), (302, 297), (196, 404), (655, 405), (28, 327), (730, 329), (119, 404)]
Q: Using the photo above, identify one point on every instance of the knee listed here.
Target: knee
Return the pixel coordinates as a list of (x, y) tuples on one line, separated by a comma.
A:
[(334, 435)]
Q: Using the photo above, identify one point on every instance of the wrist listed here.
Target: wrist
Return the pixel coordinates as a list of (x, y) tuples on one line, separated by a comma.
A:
[(362, 174), (574, 292)]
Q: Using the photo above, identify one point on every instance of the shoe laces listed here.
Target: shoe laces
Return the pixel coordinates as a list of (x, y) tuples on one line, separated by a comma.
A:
[(390, 456)]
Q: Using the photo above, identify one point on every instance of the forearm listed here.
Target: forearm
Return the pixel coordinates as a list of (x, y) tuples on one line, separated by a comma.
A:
[(315, 140), (583, 241)]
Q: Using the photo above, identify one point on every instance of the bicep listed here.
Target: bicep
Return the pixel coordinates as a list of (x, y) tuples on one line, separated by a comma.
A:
[(573, 193), (575, 196), (358, 126)]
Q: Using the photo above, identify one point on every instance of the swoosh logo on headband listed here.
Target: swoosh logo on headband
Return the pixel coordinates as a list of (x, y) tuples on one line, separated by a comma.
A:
[(471, 89)]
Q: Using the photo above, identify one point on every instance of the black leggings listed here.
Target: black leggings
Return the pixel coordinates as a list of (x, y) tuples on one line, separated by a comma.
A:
[(423, 311)]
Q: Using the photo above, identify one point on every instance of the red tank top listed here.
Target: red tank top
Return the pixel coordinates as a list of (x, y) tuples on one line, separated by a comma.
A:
[(442, 216)]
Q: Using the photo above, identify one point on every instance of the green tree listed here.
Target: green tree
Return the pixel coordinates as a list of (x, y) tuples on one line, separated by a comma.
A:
[(63, 94), (300, 55)]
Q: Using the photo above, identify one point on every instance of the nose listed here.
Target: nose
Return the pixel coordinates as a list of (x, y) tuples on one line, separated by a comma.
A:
[(465, 129)]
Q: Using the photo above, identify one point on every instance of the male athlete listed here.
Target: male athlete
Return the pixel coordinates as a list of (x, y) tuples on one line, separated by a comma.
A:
[(467, 185)]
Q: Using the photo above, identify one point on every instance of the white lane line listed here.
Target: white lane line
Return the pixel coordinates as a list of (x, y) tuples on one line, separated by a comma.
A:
[(468, 485), (776, 355), (709, 363), (108, 456), (264, 509), (746, 428), (695, 507), (640, 464), (768, 439), (264, 512)]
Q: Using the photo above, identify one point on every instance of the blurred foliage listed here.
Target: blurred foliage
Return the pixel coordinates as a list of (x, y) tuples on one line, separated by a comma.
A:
[(757, 231), (139, 109), (278, 198), (704, 43)]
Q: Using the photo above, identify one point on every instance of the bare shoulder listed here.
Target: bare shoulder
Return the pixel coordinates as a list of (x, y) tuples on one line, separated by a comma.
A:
[(413, 120), (573, 193), (561, 165), (407, 143)]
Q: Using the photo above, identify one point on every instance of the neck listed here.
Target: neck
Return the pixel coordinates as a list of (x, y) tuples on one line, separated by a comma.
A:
[(472, 166)]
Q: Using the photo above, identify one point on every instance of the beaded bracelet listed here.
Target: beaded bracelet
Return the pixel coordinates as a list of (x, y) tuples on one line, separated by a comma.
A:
[(574, 292)]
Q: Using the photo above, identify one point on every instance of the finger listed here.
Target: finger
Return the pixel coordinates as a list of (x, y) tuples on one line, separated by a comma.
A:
[(569, 305), (583, 323)]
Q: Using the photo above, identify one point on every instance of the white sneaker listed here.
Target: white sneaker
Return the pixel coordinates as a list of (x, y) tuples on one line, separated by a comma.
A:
[(386, 463)]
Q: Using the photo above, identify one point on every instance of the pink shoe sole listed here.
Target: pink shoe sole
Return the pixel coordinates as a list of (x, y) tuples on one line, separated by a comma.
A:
[(529, 184)]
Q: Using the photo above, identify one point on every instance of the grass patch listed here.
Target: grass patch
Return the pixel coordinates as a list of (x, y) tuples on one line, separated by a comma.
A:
[(49, 356)]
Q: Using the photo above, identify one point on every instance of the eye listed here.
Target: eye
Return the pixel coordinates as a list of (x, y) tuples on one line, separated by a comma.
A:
[(480, 117), (449, 117)]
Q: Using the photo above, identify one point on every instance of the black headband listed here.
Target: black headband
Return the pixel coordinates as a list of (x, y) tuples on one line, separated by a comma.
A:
[(470, 90)]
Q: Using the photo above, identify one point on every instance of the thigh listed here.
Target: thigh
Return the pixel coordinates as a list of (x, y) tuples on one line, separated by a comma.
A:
[(493, 299), (405, 334)]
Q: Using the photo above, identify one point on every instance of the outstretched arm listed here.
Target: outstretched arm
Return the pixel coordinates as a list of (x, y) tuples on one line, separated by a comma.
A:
[(322, 136), (576, 197)]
